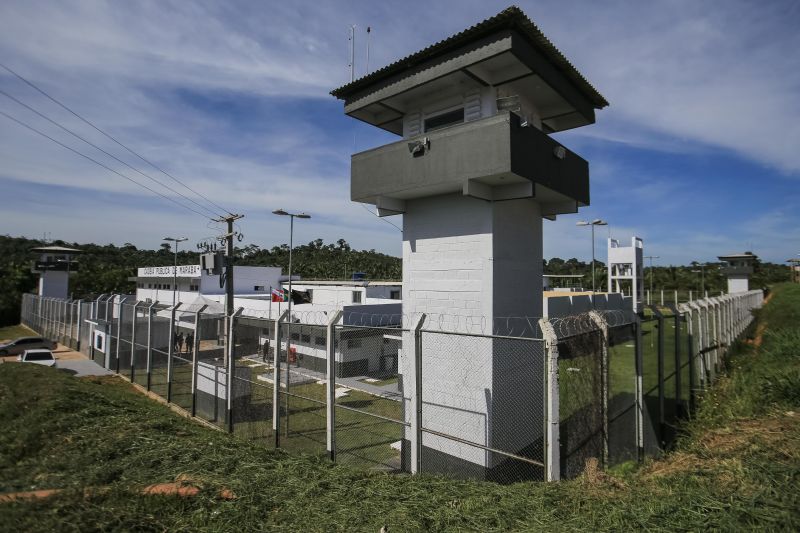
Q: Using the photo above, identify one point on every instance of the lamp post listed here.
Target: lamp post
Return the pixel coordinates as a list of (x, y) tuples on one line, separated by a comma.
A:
[(176, 240), (593, 223), (651, 257), (702, 272), (289, 324)]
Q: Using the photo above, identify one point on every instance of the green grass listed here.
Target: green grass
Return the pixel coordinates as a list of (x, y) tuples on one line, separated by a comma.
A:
[(737, 468), (12, 332)]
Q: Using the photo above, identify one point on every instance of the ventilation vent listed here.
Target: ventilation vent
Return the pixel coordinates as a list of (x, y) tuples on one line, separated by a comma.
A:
[(472, 106), (414, 123)]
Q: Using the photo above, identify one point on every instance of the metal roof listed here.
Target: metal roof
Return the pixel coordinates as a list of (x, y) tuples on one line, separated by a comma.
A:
[(510, 18), (56, 249)]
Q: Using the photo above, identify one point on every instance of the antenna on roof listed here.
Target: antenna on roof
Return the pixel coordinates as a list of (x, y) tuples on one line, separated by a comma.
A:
[(369, 29), (352, 65)]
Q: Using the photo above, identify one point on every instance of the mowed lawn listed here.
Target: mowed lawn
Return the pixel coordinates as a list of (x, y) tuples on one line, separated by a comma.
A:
[(737, 468)]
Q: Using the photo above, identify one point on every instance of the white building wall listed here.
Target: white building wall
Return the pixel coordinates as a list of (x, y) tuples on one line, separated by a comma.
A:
[(54, 284), (467, 262), (738, 284)]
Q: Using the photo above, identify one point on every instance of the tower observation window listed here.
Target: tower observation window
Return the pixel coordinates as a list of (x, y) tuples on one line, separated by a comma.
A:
[(448, 118)]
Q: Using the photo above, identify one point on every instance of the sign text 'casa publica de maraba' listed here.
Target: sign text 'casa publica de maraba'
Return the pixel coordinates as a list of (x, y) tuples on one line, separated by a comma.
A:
[(168, 271)]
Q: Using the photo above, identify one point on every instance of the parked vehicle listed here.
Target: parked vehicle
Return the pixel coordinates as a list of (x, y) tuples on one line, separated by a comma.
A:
[(38, 356), (18, 346)]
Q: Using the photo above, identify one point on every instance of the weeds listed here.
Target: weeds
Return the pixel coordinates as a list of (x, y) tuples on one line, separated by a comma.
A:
[(737, 468)]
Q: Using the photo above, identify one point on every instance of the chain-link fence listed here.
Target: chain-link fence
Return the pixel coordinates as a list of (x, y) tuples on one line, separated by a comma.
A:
[(525, 400), (368, 396), (621, 396), (483, 406)]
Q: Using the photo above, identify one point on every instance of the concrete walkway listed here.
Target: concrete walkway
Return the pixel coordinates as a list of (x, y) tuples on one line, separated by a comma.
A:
[(84, 367), (299, 374)]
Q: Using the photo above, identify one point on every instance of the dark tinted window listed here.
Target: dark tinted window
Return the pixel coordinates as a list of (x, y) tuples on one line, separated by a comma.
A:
[(39, 357), (445, 119), (28, 341)]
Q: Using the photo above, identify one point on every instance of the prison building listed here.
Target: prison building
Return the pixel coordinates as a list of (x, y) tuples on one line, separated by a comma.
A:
[(626, 270), (474, 174), (155, 284)]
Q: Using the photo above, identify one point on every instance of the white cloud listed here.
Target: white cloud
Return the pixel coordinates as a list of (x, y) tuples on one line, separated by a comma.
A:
[(681, 77)]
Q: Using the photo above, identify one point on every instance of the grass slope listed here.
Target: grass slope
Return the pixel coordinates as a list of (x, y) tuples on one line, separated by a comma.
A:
[(737, 468)]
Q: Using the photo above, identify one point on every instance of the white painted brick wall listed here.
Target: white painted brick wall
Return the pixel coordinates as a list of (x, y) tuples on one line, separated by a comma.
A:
[(459, 254)]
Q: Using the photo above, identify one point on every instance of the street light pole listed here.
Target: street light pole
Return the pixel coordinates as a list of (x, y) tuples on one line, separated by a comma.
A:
[(702, 272), (175, 264), (651, 257), (291, 216), (593, 223)]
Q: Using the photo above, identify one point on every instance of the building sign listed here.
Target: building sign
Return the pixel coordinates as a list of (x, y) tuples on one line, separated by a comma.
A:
[(184, 271)]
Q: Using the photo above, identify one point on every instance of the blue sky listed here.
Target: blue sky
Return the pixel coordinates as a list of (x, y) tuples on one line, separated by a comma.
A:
[(698, 153)]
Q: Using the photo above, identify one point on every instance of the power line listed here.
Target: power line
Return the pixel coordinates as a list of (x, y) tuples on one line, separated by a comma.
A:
[(381, 218), (26, 106), (64, 106), (24, 125)]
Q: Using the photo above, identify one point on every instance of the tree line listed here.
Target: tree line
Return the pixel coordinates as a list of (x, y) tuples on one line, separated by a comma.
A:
[(108, 268)]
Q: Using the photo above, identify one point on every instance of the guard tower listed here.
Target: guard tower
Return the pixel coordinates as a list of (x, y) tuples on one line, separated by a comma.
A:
[(738, 270), (473, 176), (626, 270), (55, 264), (794, 269)]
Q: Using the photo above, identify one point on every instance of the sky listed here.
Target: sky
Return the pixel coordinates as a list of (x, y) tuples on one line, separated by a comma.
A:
[(698, 152)]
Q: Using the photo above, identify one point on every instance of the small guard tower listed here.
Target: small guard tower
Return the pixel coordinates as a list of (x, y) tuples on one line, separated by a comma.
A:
[(626, 270), (473, 176), (794, 269), (54, 266), (738, 270)]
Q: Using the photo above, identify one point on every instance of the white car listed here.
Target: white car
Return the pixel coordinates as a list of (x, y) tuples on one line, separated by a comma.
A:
[(38, 357)]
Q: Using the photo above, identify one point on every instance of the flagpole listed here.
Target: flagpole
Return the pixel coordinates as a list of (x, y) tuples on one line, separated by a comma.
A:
[(270, 301)]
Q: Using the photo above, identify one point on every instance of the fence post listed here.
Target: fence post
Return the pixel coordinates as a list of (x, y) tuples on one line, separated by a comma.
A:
[(416, 412), (662, 296), (276, 380), (639, 390), (689, 352), (552, 456), (331, 385), (65, 305), (231, 367), (119, 330), (662, 421), (697, 350), (133, 338), (195, 351), (149, 355), (678, 367), (171, 349), (602, 325)]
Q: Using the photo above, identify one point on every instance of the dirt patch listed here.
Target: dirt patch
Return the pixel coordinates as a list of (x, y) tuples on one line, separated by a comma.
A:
[(724, 447), (183, 486), (762, 326)]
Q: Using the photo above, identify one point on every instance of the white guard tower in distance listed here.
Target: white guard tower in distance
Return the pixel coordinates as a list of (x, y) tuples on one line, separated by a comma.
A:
[(55, 264), (738, 270), (473, 177), (626, 270)]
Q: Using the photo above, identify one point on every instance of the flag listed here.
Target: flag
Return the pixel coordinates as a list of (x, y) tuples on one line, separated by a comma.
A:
[(280, 295)]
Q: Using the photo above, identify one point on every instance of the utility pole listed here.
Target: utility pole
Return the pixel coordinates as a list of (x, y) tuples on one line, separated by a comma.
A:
[(229, 219)]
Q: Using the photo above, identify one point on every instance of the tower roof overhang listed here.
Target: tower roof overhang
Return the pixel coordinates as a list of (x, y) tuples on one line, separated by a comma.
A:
[(506, 48)]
